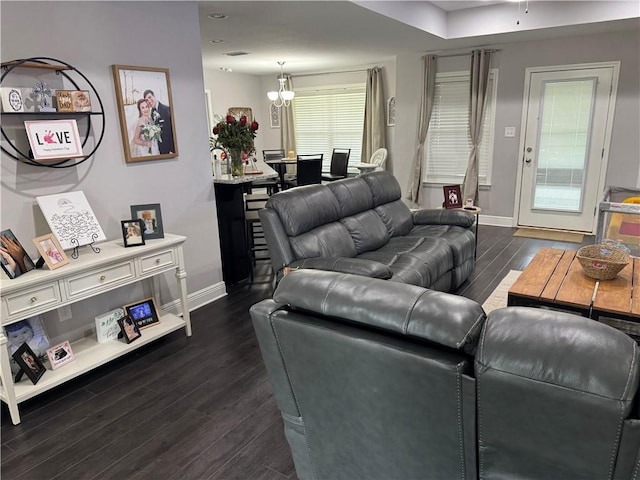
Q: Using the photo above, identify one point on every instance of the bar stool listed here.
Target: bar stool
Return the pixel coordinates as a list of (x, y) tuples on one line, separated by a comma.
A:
[(255, 241)]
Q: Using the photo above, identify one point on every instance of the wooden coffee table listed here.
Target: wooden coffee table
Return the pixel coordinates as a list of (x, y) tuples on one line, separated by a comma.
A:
[(554, 278)]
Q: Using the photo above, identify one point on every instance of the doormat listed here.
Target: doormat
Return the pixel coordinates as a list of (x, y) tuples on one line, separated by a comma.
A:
[(498, 298), (556, 235)]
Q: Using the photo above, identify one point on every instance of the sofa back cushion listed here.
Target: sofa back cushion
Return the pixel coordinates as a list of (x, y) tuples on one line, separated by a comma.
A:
[(353, 195), (553, 391), (367, 230), (305, 208), (396, 216), (328, 240)]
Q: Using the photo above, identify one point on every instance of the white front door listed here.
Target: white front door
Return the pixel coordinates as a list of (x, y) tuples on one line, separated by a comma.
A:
[(567, 117)]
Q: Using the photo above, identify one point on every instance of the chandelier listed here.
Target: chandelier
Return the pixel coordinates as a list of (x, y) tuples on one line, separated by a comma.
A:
[(283, 97)]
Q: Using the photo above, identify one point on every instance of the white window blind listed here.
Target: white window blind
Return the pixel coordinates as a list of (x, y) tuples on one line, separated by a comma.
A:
[(448, 142), (329, 118)]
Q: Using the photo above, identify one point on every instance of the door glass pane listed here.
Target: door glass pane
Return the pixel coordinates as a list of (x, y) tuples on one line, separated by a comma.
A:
[(564, 128)]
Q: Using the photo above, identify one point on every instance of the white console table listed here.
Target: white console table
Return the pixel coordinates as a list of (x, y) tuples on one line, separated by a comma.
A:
[(90, 274)]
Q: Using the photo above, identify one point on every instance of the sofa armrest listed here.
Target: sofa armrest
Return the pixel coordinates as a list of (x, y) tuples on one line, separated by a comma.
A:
[(441, 216), (355, 266)]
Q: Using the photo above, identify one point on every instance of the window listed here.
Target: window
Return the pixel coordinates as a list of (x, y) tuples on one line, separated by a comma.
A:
[(448, 141), (330, 118)]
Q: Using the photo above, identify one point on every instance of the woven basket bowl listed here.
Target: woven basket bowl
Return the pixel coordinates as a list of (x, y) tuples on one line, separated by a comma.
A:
[(602, 262)]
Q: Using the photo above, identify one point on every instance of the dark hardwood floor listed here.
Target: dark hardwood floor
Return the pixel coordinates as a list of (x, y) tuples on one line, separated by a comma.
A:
[(194, 408)]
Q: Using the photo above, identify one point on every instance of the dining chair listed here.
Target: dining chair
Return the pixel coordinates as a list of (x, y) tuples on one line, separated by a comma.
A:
[(274, 154), (309, 170), (272, 184), (339, 164)]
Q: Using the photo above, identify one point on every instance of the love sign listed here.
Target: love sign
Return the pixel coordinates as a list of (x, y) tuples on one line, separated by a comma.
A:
[(54, 139)]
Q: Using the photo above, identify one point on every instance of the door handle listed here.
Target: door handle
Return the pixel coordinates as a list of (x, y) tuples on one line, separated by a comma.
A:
[(527, 160)]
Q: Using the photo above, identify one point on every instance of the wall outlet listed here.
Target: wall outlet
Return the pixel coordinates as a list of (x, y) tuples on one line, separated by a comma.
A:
[(64, 313), (509, 131)]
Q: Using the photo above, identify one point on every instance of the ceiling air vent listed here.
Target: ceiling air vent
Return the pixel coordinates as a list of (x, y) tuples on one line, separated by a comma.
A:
[(236, 54)]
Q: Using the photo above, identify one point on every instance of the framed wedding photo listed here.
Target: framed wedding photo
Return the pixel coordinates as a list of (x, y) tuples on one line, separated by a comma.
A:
[(452, 196), (29, 363), (151, 218), (49, 247), (132, 232), (144, 313), (145, 109)]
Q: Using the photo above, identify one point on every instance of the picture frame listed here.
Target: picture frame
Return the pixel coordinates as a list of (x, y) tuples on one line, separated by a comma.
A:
[(29, 363), (452, 196), (54, 139), (274, 116), (30, 331), (51, 251), (129, 328), (145, 110), (14, 259), (132, 235), (107, 327), (391, 112), (64, 102), (60, 355), (12, 100), (63, 211), (151, 217), (144, 313), (237, 112)]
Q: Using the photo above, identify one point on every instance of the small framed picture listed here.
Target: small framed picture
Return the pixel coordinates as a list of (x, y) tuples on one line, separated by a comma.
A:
[(151, 219), (29, 363), (144, 313), (130, 330), (51, 251), (13, 257), (60, 355), (132, 232), (274, 116), (452, 196)]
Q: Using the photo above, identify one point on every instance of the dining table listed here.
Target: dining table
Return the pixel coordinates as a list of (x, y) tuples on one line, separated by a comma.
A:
[(280, 166)]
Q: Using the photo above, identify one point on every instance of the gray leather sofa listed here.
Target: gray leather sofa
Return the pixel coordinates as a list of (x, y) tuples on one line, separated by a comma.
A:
[(380, 380), (360, 225)]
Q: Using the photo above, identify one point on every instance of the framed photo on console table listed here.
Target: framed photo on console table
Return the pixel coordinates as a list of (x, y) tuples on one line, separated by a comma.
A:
[(151, 217), (51, 251), (145, 108), (29, 363), (132, 232), (144, 313)]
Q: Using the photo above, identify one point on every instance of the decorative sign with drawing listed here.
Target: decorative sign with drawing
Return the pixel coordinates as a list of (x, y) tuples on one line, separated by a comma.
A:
[(71, 219)]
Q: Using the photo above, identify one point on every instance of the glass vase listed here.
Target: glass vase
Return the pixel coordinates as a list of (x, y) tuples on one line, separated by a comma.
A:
[(237, 168)]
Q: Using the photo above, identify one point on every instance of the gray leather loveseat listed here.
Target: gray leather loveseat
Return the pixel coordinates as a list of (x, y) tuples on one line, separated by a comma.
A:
[(360, 225), (380, 380)]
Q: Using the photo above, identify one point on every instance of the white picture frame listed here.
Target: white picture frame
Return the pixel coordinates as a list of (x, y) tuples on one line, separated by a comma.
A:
[(71, 219), (274, 116), (107, 327), (391, 112), (12, 100), (54, 139)]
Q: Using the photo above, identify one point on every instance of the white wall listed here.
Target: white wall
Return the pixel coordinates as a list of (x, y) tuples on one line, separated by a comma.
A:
[(514, 58), (92, 36)]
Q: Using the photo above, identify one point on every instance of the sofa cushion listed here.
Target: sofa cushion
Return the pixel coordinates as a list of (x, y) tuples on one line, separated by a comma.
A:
[(409, 310), (304, 208), (367, 230), (384, 187), (424, 264), (396, 216), (329, 240), (460, 240), (353, 195)]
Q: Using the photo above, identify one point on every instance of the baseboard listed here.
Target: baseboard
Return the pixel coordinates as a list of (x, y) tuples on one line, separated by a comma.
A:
[(496, 221), (198, 299)]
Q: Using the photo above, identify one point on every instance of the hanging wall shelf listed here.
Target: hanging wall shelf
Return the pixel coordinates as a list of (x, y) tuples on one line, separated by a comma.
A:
[(63, 75)]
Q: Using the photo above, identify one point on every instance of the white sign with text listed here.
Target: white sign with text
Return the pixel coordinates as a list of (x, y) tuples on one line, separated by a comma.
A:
[(54, 139)]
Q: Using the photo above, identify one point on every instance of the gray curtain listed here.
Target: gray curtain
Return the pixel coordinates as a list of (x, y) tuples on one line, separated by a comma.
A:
[(429, 63), (287, 130), (480, 65), (373, 136)]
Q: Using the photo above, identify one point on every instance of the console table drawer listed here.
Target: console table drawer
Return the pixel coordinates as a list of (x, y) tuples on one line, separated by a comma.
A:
[(34, 299), (104, 279), (158, 260)]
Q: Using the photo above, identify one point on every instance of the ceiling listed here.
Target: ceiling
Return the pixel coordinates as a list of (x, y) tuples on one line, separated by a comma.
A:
[(312, 36)]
